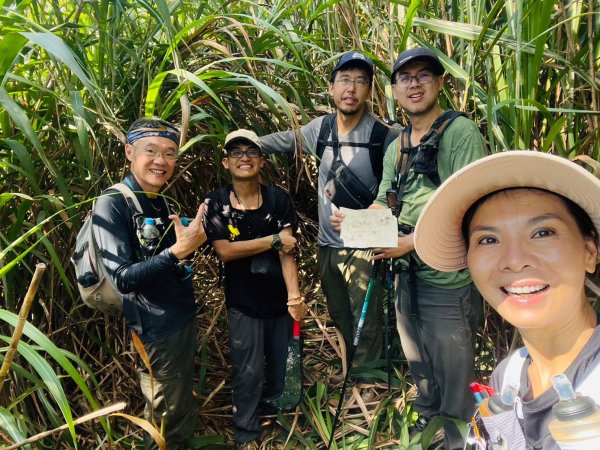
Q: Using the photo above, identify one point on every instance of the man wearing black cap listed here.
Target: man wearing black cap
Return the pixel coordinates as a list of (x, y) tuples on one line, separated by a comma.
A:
[(158, 295), (251, 228), (437, 313), (350, 137)]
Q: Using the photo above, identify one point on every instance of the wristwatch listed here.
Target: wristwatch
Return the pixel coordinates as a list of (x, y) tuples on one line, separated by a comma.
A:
[(277, 244)]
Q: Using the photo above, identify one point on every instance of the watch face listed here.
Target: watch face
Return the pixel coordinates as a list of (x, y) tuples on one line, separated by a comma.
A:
[(277, 244)]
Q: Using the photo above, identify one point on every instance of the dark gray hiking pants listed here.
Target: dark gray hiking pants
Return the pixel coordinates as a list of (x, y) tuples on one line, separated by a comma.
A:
[(439, 346)]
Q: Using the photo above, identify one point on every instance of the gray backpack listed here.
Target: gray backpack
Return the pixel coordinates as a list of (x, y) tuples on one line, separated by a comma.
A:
[(95, 285)]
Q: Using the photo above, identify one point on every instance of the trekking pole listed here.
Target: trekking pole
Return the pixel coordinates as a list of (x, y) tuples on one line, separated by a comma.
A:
[(388, 343), (359, 327), (391, 197)]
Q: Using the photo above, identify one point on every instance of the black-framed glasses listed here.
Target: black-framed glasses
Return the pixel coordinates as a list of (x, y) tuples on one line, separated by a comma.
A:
[(252, 153), (346, 82), (405, 80)]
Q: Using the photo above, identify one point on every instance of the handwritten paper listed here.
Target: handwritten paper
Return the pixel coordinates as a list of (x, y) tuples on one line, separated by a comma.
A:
[(369, 228)]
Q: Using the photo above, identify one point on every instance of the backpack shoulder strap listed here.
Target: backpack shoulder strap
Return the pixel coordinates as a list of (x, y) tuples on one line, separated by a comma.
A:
[(376, 150), (133, 204), (514, 368), (129, 195), (326, 129), (438, 127)]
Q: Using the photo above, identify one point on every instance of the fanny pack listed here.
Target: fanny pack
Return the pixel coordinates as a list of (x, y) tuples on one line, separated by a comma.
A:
[(346, 190)]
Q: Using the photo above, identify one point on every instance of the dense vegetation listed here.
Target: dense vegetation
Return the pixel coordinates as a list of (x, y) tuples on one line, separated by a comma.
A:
[(74, 74)]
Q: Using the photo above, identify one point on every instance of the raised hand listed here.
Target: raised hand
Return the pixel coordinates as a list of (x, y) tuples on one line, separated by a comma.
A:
[(191, 237)]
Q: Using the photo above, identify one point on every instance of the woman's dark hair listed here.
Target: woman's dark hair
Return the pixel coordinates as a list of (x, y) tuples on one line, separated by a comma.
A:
[(582, 219)]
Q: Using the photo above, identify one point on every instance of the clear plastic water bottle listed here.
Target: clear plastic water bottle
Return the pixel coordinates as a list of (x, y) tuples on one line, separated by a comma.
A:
[(576, 423), (150, 236), (499, 403)]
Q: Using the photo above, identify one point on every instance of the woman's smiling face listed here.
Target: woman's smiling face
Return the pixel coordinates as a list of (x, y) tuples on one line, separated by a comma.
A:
[(528, 258)]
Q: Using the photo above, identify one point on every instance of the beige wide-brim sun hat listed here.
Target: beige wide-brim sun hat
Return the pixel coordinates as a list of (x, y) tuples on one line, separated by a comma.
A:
[(438, 234)]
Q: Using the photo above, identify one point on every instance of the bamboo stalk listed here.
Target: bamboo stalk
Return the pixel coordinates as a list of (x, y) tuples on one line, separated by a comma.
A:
[(23, 313)]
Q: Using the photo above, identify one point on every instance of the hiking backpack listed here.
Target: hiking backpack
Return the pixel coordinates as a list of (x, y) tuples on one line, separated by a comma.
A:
[(96, 287)]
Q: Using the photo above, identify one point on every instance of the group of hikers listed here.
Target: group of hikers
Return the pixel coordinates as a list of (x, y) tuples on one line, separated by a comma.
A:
[(518, 228)]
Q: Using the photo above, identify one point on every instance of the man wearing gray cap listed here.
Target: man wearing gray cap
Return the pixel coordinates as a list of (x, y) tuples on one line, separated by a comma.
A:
[(351, 142), (251, 228), (437, 313)]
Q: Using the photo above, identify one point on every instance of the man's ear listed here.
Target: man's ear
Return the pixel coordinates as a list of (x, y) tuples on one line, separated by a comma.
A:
[(330, 88), (129, 151), (225, 162), (441, 82)]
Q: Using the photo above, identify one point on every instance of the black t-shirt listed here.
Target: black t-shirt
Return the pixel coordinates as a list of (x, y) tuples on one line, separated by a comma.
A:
[(254, 295), (164, 294)]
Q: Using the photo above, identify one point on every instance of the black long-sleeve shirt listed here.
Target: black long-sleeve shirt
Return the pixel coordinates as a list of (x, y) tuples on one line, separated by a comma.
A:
[(164, 297)]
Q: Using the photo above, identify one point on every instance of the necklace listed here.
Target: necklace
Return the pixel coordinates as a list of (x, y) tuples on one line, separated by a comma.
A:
[(237, 199), (154, 207)]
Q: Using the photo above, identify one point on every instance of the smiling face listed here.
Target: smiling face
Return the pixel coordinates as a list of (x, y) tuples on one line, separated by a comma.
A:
[(528, 258), (153, 161), (244, 167), (350, 90), (417, 99)]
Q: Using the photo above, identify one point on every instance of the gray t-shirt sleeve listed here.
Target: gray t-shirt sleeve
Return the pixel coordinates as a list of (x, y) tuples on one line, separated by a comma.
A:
[(288, 141)]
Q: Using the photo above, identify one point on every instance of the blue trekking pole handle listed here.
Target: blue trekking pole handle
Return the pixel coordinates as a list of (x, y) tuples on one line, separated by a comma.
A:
[(363, 313)]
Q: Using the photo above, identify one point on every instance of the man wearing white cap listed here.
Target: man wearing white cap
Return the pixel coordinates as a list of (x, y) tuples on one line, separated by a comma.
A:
[(251, 228), (437, 313), (350, 142)]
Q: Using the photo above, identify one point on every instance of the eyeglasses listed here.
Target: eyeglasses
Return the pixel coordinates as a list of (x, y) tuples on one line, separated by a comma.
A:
[(346, 82), (252, 153), (170, 155), (405, 80)]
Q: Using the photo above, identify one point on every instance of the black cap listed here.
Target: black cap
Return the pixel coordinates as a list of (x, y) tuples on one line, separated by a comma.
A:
[(354, 57), (418, 54)]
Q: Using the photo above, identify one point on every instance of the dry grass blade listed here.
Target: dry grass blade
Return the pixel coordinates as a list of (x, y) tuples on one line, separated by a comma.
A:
[(139, 346), (147, 427), (108, 410)]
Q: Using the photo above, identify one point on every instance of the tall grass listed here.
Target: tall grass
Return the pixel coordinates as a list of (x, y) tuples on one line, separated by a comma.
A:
[(73, 75)]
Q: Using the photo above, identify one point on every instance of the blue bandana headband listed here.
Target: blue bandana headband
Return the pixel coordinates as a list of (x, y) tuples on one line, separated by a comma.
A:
[(139, 133)]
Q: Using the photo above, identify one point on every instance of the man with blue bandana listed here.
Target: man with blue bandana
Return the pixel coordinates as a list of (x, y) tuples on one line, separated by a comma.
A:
[(158, 295)]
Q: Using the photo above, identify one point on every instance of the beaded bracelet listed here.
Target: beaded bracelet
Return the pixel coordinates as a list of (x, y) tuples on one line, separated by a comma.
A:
[(295, 301)]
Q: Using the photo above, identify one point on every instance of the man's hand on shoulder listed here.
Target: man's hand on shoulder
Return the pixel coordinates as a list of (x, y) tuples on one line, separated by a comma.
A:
[(191, 237)]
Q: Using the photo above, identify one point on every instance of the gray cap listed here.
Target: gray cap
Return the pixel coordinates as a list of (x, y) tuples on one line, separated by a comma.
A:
[(242, 135), (418, 54)]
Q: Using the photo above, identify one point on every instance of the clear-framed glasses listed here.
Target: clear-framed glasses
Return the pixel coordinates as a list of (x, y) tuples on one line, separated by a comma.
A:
[(346, 82), (170, 155), (405, 80), (252, 153)]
